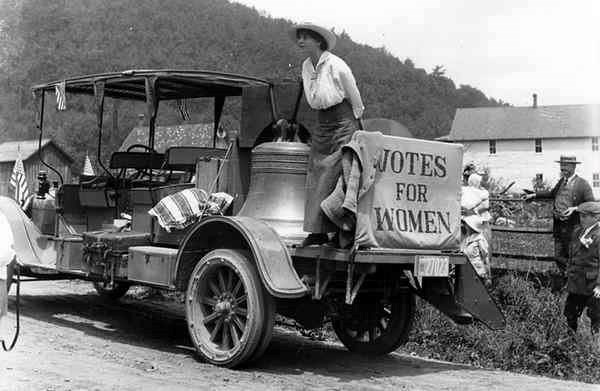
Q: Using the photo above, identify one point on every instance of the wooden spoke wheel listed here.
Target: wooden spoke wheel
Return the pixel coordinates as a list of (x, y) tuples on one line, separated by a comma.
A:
[(376, 328), (228, 312), (114, 292)]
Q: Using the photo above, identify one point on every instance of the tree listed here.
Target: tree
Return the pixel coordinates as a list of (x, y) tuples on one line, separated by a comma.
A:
[(438, 71), (44, 40)]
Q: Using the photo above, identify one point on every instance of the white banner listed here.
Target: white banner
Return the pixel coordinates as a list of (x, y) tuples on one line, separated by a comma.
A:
[(7, 255), (415, 199), (7, 252)]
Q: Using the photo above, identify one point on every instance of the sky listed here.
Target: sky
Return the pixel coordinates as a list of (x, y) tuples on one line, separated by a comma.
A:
[(509, 49)]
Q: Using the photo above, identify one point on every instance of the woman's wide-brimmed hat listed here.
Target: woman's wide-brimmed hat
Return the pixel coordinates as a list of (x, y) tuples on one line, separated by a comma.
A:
[(327, 35), (474, 221), (568, 159)]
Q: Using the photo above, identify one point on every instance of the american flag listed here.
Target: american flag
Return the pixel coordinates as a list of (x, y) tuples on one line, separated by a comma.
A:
[(19, 182), (182, 106), (61, 98)]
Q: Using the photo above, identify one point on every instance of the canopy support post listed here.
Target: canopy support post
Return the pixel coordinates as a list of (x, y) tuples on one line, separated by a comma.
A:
[(99, 100), (152, 107), (219, 103), (40, 98), (273, 104)]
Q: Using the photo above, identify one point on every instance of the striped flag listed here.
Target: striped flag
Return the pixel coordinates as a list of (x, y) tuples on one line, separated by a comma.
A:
[(88, 169), (19, 181), (182, 106), (61, 97)]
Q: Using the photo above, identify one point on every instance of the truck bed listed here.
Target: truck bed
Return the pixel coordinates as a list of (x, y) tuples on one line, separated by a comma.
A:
[(374, 255)]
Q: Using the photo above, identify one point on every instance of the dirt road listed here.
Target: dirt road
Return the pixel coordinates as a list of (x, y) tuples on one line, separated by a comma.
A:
[(72, 340)]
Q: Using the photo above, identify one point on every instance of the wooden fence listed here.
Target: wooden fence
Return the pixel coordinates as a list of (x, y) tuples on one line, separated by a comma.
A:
[(527, 243)]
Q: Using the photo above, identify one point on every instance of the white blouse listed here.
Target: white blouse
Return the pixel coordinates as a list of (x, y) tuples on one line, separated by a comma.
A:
[(330, 83)]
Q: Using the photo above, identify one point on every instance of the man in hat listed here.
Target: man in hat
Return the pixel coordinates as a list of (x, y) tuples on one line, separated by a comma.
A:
[(568, 193), (330, 88), (583, 283)]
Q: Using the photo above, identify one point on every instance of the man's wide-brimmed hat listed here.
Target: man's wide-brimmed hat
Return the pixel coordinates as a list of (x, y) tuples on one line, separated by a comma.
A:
[(327, 35), (568, 159)]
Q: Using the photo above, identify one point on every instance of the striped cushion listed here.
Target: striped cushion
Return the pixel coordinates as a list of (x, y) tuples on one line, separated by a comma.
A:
[(178, 210)]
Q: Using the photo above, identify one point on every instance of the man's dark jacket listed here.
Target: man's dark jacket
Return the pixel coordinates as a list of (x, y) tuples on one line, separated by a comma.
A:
[(582, 192), (584, 265)]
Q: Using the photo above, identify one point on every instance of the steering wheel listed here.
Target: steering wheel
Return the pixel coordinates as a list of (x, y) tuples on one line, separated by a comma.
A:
[(140, 173), (142, 146)]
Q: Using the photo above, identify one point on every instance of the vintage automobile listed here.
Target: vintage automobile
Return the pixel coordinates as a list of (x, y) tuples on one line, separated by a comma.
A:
[(236, 270)]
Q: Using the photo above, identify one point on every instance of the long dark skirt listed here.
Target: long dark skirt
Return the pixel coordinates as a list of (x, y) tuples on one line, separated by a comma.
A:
[(336, 126)]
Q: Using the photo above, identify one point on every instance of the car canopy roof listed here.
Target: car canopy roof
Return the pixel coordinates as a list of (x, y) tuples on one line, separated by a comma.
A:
[(172, 84)]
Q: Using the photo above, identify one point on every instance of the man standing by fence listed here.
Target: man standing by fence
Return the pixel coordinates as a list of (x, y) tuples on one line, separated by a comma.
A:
[(570, 191)]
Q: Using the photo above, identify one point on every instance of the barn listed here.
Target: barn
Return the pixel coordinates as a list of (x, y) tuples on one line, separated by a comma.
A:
[(27, 150)]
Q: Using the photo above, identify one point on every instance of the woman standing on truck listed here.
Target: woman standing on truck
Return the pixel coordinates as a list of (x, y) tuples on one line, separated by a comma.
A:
[(330, 88)]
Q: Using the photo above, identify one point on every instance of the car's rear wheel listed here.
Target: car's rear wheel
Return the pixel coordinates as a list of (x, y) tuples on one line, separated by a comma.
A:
[(227, 309), (374, 326)]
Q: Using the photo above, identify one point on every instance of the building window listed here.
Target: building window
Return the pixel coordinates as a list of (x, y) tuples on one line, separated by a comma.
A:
[(596, 179), (539, 178), (492, 147), (538, 145), (594, 143)]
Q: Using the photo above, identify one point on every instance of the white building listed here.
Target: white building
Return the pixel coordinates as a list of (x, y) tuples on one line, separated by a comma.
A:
[(522, 143)]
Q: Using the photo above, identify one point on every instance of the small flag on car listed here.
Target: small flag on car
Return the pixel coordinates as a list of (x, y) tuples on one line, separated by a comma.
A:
[(88, 169), (61, 97), (18, 180), (182, 106)]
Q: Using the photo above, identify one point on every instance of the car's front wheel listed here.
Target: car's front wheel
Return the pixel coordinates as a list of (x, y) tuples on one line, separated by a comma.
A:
[(227, 309)]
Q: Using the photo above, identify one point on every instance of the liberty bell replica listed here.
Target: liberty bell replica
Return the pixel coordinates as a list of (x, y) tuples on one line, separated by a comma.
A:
[(277, 187)]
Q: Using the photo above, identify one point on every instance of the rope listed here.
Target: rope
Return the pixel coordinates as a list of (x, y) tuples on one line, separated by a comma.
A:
[(14, 341)]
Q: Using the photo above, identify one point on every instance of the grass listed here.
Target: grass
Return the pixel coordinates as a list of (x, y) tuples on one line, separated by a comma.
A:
[(536, 339)]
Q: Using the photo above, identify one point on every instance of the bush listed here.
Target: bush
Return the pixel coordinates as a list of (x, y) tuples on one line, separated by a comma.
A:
[(536, 213), (536, 339), (540, 184)]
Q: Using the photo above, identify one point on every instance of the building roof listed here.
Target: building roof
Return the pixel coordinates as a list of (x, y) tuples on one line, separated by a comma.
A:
[(10, 150), (485, 123), (191, 135), (387, 126)]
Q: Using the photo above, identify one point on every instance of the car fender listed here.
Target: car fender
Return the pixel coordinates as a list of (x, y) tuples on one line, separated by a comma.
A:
[(268, 251), (30, 245)]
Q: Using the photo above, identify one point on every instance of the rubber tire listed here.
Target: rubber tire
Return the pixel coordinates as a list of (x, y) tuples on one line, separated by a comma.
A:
[(10, 271), (118, 291), (269, 324), (255, 323), (403, 310)]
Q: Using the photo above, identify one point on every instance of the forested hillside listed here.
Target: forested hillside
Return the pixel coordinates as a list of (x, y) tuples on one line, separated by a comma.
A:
[(42, 40)]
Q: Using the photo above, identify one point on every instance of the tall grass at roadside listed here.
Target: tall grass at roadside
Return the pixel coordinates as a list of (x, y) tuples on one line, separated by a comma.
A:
[(536, 339)]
